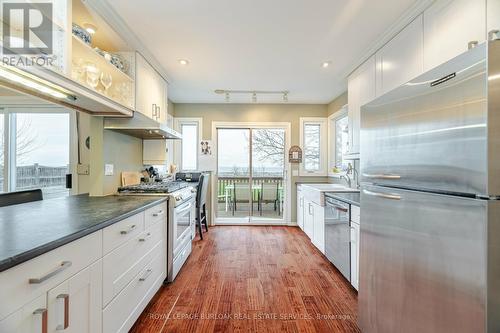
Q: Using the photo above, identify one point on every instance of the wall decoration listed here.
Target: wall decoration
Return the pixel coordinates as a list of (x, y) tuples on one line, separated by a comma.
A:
[(295, 154), (206, 147)]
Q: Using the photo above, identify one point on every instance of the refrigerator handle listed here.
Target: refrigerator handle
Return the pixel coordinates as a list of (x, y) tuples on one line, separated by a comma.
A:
[(381, 176), (382, 195)]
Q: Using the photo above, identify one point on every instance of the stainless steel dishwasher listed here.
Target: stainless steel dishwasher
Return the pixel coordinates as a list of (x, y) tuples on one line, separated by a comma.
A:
[(337, 235)]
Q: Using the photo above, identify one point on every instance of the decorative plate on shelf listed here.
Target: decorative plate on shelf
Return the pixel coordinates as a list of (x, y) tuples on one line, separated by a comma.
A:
[(82, 34)]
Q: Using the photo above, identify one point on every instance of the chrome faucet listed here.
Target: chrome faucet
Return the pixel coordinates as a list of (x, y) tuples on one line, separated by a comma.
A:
[(347, 179)]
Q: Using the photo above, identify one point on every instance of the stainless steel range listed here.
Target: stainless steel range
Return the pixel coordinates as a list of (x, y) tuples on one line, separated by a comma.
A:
[(181, 218)]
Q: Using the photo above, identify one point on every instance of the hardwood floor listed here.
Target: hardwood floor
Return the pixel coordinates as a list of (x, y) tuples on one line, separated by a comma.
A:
[(253, 279)]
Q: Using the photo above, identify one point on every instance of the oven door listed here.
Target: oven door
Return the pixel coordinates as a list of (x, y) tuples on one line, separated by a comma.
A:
[(183, 219)]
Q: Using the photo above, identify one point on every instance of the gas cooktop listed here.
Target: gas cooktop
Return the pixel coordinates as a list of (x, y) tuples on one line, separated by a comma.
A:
[(154, 188)]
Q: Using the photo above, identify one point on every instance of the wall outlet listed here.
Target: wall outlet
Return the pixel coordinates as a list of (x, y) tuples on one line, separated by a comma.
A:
[(109, 169), (83, 169)]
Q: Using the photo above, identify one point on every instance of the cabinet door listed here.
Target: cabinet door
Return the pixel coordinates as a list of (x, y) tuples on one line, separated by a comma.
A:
[(31, 318), (361, 90), (300, 210), (401, 59), (308, 218), (76, 304), (319, 227), (355, 255), (144, 82), (163, 101), (449, 27)]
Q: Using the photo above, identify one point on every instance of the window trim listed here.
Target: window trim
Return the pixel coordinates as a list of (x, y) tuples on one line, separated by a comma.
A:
[(323, 146), (178, 146), (332, 134)]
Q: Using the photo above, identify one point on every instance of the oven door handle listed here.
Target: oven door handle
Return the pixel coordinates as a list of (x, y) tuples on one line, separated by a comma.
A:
[(180, 211)]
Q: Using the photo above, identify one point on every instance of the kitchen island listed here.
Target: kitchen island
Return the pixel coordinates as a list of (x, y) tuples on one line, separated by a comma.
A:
[(86, 264)]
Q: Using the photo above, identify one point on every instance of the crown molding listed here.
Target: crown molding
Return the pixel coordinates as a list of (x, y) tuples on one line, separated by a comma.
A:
[(116, 22)]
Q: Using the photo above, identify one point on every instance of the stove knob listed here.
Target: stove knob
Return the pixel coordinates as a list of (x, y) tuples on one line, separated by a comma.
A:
[(193, 190), (178, 198)]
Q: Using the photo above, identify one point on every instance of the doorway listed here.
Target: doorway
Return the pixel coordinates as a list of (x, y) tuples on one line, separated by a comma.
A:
[(251, 183)]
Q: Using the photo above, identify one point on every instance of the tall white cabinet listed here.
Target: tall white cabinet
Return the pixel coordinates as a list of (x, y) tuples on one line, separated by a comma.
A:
[(361, 90), (449, 27), (401, 59)]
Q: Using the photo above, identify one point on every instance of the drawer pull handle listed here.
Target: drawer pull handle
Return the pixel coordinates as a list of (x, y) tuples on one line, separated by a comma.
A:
[(65, 325), (145, 277), (130, 229), (143, 239), (62, 267), (160, 213), (43, 314)]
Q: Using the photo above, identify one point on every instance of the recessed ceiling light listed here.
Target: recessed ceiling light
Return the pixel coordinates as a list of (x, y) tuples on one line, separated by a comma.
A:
[(91, 29), (326, 64), (183, 62)]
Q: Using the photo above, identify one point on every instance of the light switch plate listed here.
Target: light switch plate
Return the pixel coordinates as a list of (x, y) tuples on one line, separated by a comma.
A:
[(109, 169), (83, 169)]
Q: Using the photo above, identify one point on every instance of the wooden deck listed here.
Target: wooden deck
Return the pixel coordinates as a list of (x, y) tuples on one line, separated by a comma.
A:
[(253, 279)]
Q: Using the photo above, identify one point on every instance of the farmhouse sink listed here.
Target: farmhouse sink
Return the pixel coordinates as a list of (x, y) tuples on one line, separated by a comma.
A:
[(316, 192)]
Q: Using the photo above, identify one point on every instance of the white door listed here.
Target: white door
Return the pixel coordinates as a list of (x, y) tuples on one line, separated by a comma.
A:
[(251, 184), (76, 305)]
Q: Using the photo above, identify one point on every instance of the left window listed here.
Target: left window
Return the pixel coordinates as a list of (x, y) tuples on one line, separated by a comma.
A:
[(35, 151), (190, 128)]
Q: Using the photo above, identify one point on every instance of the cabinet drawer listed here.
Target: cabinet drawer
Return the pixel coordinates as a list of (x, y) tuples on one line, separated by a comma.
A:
[(121, 265), (119, 233), (155, 214), (355, 213), (181, 259), (30, 318), (124, 310), (50, 269)]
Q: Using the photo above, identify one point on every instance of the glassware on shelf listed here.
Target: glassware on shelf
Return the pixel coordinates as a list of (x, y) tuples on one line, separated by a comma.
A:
[(93, 74), (106, 81), (78, 70)]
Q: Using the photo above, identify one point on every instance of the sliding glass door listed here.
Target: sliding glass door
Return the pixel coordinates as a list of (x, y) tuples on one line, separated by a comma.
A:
[(250, 175)]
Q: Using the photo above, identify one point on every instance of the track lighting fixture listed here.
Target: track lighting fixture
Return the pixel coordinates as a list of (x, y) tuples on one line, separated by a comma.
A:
[(254, 93)]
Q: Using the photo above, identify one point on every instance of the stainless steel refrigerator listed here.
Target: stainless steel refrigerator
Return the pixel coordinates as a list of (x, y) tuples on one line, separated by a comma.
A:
[(430, 214)]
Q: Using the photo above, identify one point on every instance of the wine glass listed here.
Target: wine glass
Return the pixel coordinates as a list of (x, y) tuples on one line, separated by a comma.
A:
[(106, 80), (93, 74)]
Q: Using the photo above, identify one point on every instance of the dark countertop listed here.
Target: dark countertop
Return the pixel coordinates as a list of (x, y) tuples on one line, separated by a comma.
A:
[(31, 229), (350, 198)]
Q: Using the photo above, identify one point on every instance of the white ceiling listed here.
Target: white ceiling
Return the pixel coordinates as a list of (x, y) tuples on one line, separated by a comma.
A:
[(259, 44)]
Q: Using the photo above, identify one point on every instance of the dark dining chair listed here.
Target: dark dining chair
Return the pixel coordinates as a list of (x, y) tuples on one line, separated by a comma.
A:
[(201, 203), (16, 198)]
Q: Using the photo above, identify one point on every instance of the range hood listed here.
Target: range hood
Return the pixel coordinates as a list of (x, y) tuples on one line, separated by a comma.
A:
[(141, 126), (56, 88)]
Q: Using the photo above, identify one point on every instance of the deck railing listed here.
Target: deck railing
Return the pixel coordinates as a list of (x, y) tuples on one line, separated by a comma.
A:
[(223, 182), (38, 176)]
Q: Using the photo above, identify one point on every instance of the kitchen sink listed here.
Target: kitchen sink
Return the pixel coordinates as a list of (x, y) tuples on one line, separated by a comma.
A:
[(316, 192)]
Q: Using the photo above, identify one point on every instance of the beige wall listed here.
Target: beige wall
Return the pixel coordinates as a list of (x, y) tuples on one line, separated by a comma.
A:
[(337, 103), (106, 147), (257, 113)]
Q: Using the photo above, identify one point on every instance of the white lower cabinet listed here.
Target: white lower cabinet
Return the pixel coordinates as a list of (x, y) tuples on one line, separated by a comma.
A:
[(318, 238), (355, 231), (75, 305), (31, 318), (300, 208), (308, 218)]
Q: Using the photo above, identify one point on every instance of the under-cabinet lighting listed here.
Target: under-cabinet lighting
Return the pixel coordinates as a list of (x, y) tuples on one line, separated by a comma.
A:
[(18, 77), (91, 29)]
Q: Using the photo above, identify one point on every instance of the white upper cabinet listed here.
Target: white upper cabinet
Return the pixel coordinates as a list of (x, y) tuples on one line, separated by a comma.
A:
[(401, 59), (361, 90), (151, 91), (493, 15), (449, 27)]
